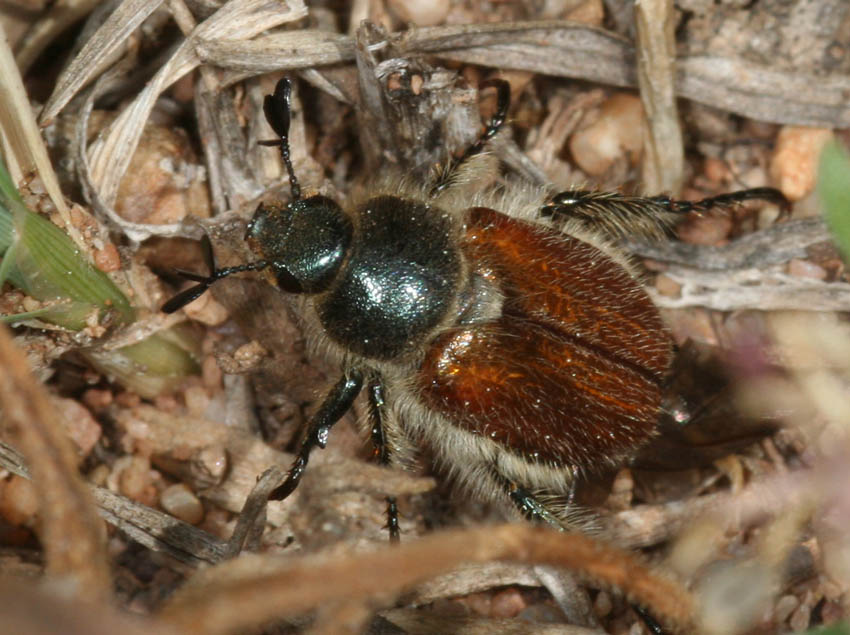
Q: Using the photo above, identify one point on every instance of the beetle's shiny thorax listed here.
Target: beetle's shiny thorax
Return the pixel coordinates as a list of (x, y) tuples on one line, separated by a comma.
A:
[(398, 282)]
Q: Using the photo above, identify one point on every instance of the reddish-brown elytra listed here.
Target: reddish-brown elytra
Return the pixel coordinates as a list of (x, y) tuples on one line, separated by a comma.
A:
[(501, 327), (570, 373)]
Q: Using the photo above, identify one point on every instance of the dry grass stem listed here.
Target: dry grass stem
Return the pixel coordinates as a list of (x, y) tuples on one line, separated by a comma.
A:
[(567, 49), (59, 17), (71, 531), (98, 53), (218, 603), (25, 149), (663, 161)]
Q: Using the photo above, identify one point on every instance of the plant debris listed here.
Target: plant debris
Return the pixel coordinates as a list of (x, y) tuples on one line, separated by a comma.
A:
[(152, 116)]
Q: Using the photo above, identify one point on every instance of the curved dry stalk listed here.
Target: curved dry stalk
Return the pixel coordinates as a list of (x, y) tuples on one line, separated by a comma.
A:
[(251, 590)]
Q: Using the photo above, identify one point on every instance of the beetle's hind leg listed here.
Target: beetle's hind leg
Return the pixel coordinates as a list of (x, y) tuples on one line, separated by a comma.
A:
[(532, 508), (530, 505), (381, 449), (621, 216)]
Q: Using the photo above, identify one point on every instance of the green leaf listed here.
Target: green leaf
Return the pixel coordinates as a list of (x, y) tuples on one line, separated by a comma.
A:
[(42, 260), (834, 191)]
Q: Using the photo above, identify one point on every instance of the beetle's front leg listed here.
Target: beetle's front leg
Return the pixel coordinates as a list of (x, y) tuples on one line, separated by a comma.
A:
[(337, 402)]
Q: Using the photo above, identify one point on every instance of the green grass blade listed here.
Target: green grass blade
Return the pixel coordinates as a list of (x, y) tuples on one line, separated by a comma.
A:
[(834, 190)]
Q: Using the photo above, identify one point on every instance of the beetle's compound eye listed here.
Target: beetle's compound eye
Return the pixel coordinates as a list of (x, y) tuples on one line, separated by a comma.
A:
[(304, 242)]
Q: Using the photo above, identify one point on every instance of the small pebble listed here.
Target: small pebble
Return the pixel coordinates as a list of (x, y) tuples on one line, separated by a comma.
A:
[(131, 476), (767, 216), (590, 12), (206, 311), (19, 502), (167, 403), (209, 465), (615, 133), (784, 607), (603, 605), (668, 287), (97, 399), (197, 400), (82, 428), (705, 230), (128, 399), (179, 501), (794, 164), (107, 259), (30, 304), (806, 269), (507, 603), (695, 324), (479, 603), (98, 475), (716, 170), (421, 12), (218, 522)]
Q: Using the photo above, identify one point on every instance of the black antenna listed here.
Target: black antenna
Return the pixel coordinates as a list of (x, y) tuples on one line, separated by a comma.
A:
[(278, 110), (193, 293)]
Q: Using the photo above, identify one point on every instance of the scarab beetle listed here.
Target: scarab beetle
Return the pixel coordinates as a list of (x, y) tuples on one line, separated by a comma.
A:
[(501, 327)]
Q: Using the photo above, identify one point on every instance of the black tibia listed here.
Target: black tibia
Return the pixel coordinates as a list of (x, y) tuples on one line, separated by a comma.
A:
[(650, 622), (336, 404), (381, 452), (495, 124), (622, 215), (392, 520), (537, 511), (377, 408), (527, 503), (531, 508), (193, 293)]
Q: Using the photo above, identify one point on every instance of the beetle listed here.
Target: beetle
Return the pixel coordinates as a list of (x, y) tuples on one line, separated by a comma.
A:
[(502, 328)]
